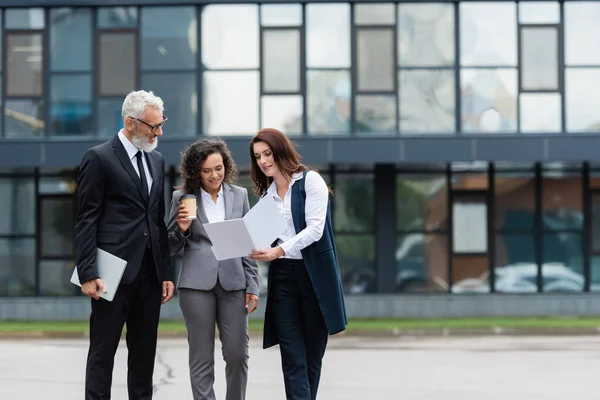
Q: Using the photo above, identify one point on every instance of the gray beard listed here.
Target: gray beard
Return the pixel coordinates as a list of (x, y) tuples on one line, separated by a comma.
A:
[(142, 143)]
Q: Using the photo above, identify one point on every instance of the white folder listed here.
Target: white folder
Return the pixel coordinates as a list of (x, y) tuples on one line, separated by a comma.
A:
[(110, 270), (258, 229)]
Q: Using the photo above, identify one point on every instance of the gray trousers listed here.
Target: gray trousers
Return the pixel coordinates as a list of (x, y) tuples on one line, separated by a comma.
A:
[(202, 310)]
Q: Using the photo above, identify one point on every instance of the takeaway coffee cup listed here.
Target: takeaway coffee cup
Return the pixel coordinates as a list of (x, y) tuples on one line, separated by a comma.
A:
[(189, 201)]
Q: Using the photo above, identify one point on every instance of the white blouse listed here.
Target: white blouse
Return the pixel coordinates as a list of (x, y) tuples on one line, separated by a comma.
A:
[(317, 198)]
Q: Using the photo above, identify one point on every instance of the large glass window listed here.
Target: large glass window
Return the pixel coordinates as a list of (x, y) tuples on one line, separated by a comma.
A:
[(540, 102), (230, 57), (329, 89), (282, 70), (488, 38), (582, 38), (354, 231), (117, 67), (17, 267), (426, 77), (515, 263), (422, 240), (562, 225), (168, 38)]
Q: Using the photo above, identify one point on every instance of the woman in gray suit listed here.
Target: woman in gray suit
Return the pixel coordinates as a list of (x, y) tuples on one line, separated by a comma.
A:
[(210, 291)]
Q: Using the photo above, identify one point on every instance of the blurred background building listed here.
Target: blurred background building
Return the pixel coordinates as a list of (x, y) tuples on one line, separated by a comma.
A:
[(460, 138)]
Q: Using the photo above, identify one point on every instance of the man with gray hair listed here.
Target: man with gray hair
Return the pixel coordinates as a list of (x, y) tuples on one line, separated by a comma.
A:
[(121, 209)]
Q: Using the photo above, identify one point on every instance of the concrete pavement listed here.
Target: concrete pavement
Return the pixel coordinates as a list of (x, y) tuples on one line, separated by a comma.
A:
[(490, 368)]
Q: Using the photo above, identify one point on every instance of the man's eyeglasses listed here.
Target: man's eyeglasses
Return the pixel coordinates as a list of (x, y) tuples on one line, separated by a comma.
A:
[(153, 128)]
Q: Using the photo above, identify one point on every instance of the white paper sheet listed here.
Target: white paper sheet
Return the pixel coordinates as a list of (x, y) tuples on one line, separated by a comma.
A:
[(110, 270), (259, 228)]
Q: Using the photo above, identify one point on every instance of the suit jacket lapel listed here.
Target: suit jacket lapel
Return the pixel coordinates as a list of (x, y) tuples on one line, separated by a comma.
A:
[(124, 158), (228, 198), (200, 212)]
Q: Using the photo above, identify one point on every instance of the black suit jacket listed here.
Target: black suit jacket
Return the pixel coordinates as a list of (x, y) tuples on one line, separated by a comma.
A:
[(113, 214)]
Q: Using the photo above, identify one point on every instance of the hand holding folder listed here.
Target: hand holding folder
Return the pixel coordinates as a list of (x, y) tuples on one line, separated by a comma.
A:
[(110, 269)]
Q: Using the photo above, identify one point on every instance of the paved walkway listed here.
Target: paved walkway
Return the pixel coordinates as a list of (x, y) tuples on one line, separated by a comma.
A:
[(484, 368)]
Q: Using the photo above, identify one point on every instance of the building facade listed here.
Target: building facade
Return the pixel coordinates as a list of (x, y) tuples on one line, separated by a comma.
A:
[(460, 138)]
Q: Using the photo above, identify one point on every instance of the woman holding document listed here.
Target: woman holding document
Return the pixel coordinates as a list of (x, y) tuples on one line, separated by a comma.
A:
[(210, 291), (305, 300)]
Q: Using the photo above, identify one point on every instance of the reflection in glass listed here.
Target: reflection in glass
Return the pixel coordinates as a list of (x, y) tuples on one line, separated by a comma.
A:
[(57, 227), (582, 33), (70, 38), (23, 118), (470, 273), (515, 265), (226, 114), (421, 203), (356, 258), (425, 34), (71, 108), (283, 113), (117, 64), (514, 196), (24, 64), (562, 270), (488, 34), (109, 117), (178, 91), (540, 112), (281, 15), (375, 114), (421, 263), (489, 100), (329, 101), (17, 267), (25, 18), (230, 36), (55, 278), (374, 14), (595, 273), (426, 101), (281, 60), (582, 86), (328, 35), (354, 209), (562, 201), (17, 214), (539, 59), (168, 38), (539, 12), (117, 17), (375, 59)]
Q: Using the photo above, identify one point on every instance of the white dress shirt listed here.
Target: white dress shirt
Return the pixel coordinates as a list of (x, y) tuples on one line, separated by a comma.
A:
[(215, 211), (131, 152), (317, 198)]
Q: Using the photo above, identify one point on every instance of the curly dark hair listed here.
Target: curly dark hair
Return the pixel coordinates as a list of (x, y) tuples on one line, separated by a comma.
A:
[(193, 158)]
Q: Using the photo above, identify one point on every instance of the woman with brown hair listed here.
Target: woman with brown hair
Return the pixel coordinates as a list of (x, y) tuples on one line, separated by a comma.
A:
[(211, 291), (305, 300)]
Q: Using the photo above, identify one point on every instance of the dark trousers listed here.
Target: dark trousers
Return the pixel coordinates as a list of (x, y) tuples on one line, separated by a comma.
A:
[(300, 329), (137, 305)]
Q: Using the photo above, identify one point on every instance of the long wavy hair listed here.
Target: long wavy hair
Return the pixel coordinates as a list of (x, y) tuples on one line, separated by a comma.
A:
[(193, 158), (285, 157)]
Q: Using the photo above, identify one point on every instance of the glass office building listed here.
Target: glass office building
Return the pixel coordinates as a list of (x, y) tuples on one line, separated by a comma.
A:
[(460, 138)]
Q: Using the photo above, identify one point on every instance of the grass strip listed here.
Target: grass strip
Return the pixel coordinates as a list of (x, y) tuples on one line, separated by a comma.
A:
[(178, 327)]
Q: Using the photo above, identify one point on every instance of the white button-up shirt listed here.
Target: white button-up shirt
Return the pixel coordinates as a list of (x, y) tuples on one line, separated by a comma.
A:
[(131, 152), (215, 211), (317, 198)]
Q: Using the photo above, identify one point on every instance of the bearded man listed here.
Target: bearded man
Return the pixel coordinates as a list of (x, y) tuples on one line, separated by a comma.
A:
[(121, 207)]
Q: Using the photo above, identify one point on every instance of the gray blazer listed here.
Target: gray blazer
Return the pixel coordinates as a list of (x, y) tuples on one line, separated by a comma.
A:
[(199, 268)]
